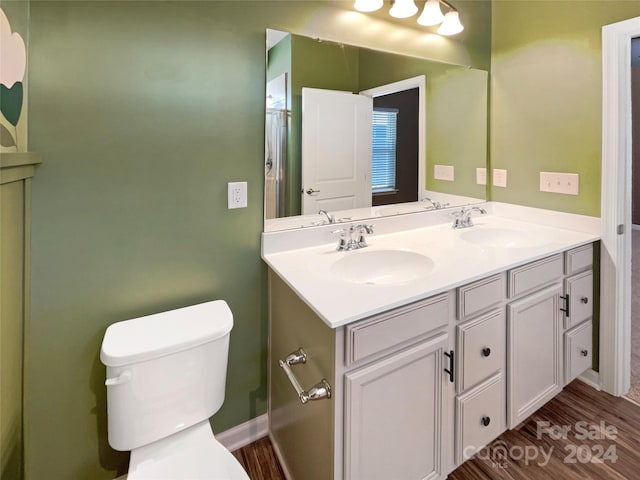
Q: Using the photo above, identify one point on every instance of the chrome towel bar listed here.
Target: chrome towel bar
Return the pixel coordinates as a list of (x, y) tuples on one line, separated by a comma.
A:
[(320, 390)]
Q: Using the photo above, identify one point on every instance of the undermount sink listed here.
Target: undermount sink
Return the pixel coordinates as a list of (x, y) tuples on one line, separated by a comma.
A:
[(382, 267), (498, 237)]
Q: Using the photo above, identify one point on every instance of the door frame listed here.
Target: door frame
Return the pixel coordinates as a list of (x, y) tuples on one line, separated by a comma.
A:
[(419, 82), (615, 290)]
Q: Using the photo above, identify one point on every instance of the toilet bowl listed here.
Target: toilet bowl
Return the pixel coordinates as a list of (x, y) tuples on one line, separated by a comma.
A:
[(166, 376)]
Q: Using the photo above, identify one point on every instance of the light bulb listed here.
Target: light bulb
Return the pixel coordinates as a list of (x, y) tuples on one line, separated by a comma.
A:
[(368, 5), (451, 24), (403, 9), (432, 14)]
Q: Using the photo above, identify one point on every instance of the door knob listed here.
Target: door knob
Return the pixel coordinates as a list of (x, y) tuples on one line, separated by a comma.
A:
[(584, 353), (584, 300), (311, 191), (486, 421), (486, 351)]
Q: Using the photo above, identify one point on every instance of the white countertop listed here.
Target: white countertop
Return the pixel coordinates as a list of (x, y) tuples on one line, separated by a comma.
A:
[(305, 259)]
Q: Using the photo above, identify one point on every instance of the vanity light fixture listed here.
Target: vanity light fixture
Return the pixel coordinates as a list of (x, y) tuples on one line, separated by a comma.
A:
[(451, 24), (368, 5), (431, 14), (403, 9)]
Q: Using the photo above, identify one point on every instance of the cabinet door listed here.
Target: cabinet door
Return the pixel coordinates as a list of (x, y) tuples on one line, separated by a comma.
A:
[(535, 352), (393, 415)]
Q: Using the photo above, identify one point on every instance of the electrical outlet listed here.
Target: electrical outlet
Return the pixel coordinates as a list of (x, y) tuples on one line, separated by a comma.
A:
[(443, 172), (499, 177), (237, 194), (481, 176), (555, 182)]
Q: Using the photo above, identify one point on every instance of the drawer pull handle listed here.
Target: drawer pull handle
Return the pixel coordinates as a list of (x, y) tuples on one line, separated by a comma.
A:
[(584, 300), (486, 351), (486, 421), (584, 352), (320, 390), (566, 304), (450, 370)]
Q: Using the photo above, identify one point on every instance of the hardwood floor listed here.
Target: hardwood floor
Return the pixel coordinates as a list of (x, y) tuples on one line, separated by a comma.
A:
[(580, 434), (260, 461)]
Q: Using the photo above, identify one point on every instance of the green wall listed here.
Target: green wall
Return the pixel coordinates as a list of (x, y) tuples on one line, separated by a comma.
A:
[(144, 111), (546, 97)]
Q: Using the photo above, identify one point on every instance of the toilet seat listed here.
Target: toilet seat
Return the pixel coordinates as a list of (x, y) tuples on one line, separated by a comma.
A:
[(191, 454)]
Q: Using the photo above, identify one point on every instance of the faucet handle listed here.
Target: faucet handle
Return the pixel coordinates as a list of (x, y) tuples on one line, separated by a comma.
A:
[(361, 229), (458, 212), (342, 243)]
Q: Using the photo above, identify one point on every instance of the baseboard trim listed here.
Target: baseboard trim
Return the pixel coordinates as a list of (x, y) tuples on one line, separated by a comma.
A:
[(283, 464), (245, 433), (591, 378)]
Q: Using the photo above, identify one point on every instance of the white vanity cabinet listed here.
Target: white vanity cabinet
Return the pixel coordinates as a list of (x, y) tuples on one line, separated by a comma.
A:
[(420, 388), (549, 328), (393, 415), (390, 391), (535, 352), (480, 366), (578, 335)]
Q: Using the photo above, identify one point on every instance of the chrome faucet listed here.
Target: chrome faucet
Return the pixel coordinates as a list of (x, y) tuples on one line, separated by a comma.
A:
[(330, 218), (356, 234), (435, 205), (462, 218)]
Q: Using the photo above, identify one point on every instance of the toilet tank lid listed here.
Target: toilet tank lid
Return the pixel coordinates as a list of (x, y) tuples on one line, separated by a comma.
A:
[(152, 336)]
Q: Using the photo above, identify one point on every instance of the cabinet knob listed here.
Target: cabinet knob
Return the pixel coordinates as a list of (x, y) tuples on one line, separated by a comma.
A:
[(486, 351), (486, 421), (584, 300), (584, 352)]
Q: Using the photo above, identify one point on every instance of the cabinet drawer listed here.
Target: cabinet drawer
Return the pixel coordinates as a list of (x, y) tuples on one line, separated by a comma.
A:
[(579, 291), (578, 351), (480, 417), (480, 296), (535, 275), (578, 259), (481, 349), (395, 327)]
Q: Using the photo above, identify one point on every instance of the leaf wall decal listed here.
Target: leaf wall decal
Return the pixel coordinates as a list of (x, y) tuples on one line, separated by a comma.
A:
[(11, 102)]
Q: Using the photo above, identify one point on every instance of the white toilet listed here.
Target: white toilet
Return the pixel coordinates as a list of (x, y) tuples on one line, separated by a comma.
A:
[(165, 377)]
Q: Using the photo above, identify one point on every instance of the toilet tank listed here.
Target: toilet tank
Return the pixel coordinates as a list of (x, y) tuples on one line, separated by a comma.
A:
[(165, 372)]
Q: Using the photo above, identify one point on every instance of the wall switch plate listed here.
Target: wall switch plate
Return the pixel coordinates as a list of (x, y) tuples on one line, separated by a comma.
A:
[(499, 177), (555, 182), (443, 172), (481, 176), (236, 194)]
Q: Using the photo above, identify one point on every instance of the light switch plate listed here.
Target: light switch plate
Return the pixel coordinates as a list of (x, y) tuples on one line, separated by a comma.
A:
[(556, 182), (481, 176), (499, 177), (443, 172)]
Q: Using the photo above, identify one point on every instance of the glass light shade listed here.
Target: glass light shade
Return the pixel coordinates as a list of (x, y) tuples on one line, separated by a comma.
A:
[(451, 24), (403, 9), (368, 5), (432, 14)]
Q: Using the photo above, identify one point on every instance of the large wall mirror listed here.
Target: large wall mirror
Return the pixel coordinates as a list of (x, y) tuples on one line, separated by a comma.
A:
[(361, 133)]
